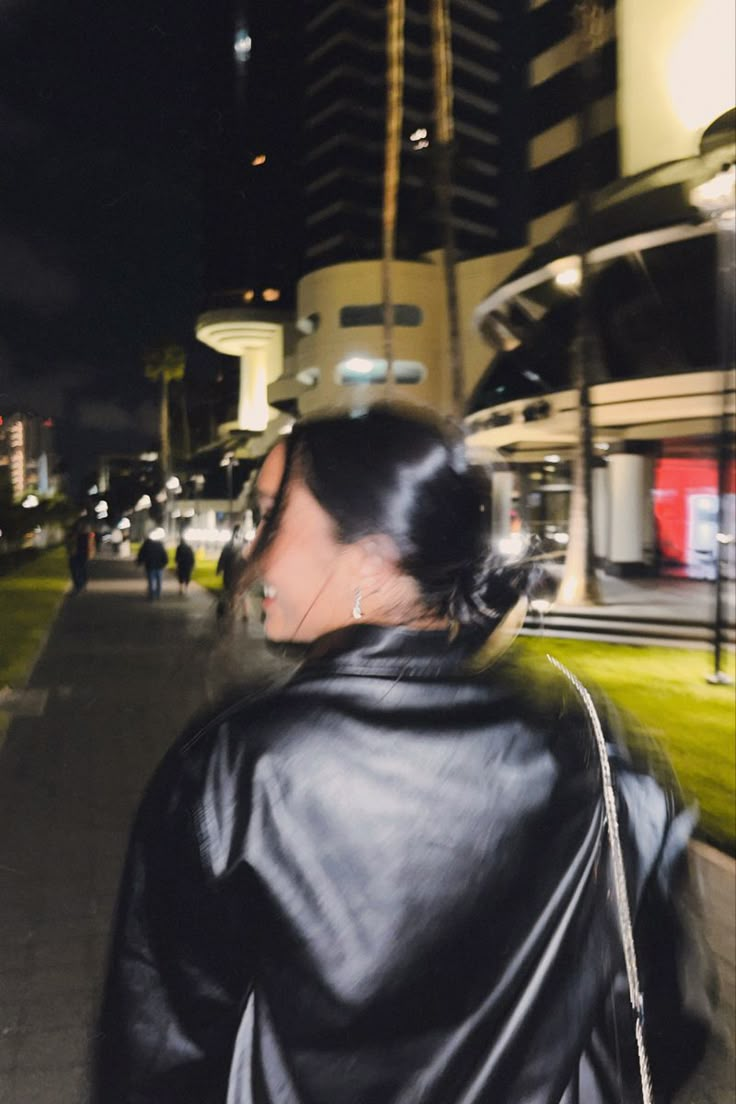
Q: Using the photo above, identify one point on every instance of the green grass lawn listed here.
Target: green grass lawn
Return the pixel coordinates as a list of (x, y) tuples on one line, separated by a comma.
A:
[(665, 690), (204, 574), (29, 599)]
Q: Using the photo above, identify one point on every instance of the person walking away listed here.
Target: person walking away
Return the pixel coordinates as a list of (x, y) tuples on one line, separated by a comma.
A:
[(153, 557), (184, 558), (395, 878), (80, 546), (230, 565)]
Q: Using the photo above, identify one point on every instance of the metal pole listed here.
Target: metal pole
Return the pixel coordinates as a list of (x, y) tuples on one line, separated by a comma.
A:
[(726, 294)]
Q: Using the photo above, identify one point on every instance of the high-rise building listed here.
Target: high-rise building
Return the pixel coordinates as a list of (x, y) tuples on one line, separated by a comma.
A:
[(558, 87), (345, 88)]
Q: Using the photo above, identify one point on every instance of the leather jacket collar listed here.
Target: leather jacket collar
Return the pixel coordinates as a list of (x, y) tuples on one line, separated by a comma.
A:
[(393, 649)]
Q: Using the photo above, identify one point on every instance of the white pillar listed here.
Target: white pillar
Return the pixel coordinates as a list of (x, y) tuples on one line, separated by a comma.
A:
[(502, 488), (253, 395), (629, 493), (601, 511)]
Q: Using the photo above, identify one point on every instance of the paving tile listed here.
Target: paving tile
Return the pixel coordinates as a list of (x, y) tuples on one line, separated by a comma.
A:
[(55, 1049), (47, 1087), (59, 1009)]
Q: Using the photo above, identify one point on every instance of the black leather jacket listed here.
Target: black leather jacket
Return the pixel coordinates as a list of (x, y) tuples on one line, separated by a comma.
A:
[(387, 882)]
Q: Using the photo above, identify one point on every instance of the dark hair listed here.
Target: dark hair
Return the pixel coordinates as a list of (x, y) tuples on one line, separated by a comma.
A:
[(403, 472)]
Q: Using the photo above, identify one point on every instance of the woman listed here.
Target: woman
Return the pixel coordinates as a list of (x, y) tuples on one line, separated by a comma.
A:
[(184, 558), (387, 882)]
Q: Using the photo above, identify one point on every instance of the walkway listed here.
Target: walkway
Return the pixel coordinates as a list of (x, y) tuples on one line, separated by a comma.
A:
[(117, 682)]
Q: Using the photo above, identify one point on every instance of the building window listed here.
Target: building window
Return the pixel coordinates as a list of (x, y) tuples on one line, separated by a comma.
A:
[(309, 323), (359, 369), (371, 314)]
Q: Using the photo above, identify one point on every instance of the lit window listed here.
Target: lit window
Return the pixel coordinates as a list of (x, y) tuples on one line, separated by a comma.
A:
[(249, 295), (270, 295), (371, 314), (362, 369), (259, 159)]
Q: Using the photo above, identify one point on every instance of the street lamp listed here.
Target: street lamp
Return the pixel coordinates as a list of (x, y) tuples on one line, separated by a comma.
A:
[(229, 462), (716, 200)]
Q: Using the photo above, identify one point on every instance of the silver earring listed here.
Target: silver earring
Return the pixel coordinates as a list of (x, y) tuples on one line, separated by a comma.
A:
[(357, 607)]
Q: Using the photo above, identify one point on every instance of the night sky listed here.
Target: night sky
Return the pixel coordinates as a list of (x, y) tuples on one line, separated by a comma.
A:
[(102, 135)]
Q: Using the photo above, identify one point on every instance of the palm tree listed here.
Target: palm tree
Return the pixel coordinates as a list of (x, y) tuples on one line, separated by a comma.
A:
[(443, 161), (165, 363), (392, 170), (579, 584)]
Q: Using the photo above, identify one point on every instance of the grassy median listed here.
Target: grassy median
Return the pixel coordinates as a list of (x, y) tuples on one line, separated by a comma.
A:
[(29, 598), (665, 691)]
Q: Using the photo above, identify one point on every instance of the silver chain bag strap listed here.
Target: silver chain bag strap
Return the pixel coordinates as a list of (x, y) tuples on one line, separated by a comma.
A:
[(619, 878)]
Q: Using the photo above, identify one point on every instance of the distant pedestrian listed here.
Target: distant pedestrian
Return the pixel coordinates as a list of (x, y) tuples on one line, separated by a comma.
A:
[(152, 555), (80, 546), (184, 557), (230, 565)]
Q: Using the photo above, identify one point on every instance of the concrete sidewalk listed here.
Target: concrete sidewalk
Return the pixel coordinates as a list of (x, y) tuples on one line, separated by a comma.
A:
[(117, 682)]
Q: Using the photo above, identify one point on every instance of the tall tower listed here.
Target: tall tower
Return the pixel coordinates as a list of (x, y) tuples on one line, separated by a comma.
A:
[(554, 104), (345, 122)]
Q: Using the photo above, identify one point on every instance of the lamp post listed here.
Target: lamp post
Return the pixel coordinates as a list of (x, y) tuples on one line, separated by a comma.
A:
[(229, 462), (716, 200)]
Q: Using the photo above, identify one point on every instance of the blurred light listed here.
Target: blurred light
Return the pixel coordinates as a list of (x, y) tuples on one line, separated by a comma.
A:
[(417, 134), (161, 496), (249, 295), (569, 277), (149, 457), (540, 605), (29, 502), (207, 536), (157, 534), (259, 159), (124, 523), (271, 295), (176, 513), (603, 446), (513, 545), (286, 429), (93, 489), (700, 67), (718, 195), (143, 503), (188, 513), (173, 483), (242, 46), (48, 422), (552, 458), (361, 366), (560, 538)]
